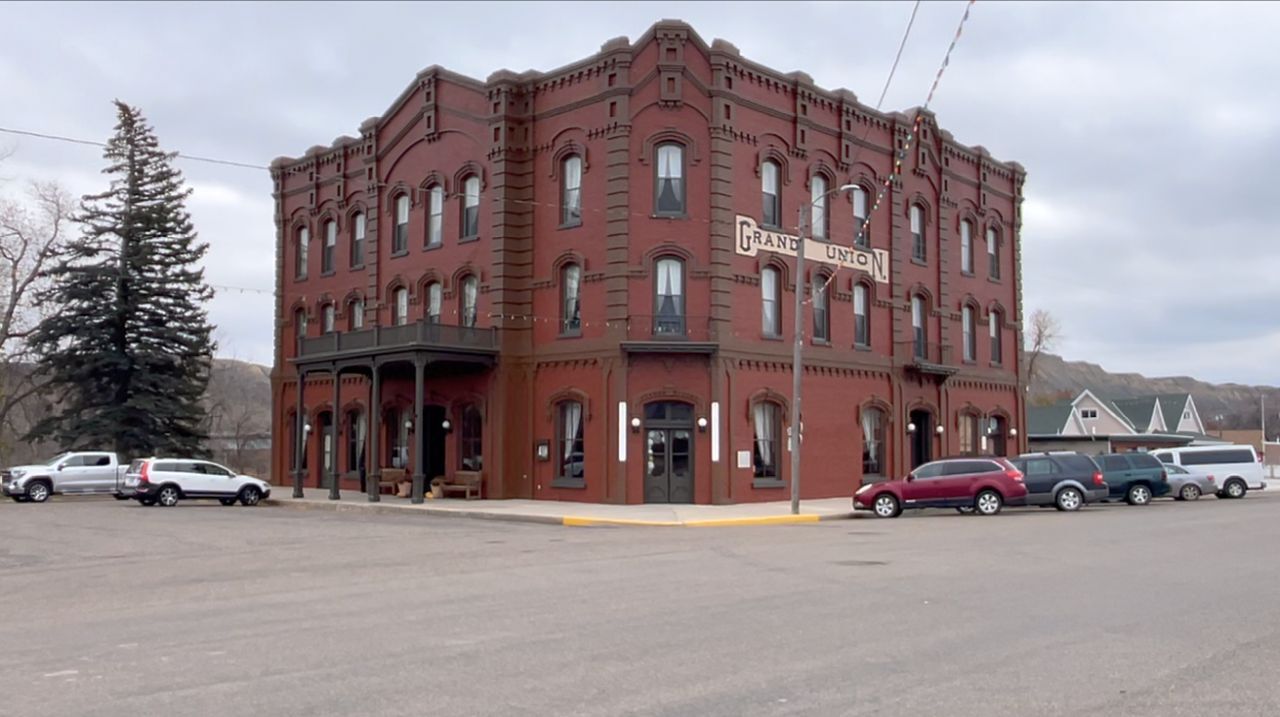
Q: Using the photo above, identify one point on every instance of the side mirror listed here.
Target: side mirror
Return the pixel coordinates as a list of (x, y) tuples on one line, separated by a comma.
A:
[(60, 467), (911, 477)]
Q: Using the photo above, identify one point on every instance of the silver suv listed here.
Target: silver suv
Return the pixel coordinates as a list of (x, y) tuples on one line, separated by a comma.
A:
[(169, 480)]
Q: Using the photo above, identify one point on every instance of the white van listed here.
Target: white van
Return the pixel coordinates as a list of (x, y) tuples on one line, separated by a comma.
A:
[(1236, 468)]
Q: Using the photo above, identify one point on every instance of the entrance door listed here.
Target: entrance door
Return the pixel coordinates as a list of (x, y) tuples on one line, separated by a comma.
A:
[(922, 439), (433, 442), (668, 474)]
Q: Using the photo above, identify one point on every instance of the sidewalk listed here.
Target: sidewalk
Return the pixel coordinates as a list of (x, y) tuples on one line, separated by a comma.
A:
[(575, 514)]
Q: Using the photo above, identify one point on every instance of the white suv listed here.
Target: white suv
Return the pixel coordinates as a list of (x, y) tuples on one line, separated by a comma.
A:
[(168, 480), (1237, 467)]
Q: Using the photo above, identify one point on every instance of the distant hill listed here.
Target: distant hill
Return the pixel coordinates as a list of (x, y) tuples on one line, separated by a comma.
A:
[(1237, 404)]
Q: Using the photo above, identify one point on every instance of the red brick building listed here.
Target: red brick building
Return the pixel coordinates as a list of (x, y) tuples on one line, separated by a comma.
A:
[(579, 284)]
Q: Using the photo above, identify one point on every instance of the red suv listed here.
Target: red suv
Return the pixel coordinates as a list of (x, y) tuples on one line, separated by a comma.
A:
[(984, 484)]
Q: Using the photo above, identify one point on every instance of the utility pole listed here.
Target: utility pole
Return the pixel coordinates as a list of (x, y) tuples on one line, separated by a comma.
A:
[(797, 364)]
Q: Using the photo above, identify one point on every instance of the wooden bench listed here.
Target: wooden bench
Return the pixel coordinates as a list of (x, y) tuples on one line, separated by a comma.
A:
[(391, 477), (465, 482)]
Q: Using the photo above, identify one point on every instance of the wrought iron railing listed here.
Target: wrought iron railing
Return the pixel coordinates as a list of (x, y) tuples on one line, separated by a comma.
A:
[(419, 333), (923, 353)]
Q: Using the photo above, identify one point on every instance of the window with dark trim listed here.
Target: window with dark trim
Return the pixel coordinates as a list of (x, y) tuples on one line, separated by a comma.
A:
[(873, 442), (302, 247), (357, 437), (771, 193), (470, 448), (571, 191), (435, 220), (770, 302), (669, 173), (400, 242), (570, 309), (970, 341), (570, 456), (918, 249), (918, 326), (400, 306), (821, 315), (766, 440), (861, 233), (861, 315), (818, 206), (327, 315), (470, 227), (300, 322), (997, 345), (467, 299), (435, 299), (355, 315), (358, 228), (329, 253), (968, 434), (993, 252), (966, 247), (668, 296)]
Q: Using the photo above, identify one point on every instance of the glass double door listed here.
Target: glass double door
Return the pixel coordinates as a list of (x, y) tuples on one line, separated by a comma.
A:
[(668, 474)]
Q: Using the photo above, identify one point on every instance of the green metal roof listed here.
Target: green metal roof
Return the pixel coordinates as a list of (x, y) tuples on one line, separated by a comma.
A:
[(1136, 410), (1171, 406), (1047, 420)]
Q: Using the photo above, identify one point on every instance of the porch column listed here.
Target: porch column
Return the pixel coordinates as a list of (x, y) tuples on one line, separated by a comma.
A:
[(299, 439), (334, 422), (419, 430), (375, 436)]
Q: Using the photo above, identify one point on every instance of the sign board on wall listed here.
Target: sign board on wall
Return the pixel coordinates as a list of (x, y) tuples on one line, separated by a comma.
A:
[(751, 239)]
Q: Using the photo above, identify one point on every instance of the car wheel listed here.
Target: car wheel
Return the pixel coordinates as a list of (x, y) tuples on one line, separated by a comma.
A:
[(965, 510), (886, 506), (1189, 491), (988, 502), (38, 492), (1235, 488), (250, 495), (1138, 495), (227, 501), (1069, 499), (168, 496)]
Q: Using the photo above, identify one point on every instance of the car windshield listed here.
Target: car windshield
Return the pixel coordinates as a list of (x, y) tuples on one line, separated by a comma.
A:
[(55, 459)]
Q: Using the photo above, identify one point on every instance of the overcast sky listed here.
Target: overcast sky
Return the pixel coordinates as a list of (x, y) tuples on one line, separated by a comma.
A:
[(1149, 131)]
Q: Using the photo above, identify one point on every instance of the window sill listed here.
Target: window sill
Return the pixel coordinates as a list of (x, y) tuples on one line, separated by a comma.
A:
[(919, 262), (356, 267), (300, 278), (862, 347), (326, 273), (468, 240), (575, 483), (820, 342), (398, 254), (570, 225), (771, 337), (577, 334), (681, 215), (768, 483), (432, 247), (966, 273), (996, 364), (993, 281), (969, 362)]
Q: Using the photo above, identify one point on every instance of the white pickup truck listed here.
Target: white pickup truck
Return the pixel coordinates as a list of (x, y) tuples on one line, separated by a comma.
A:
[(81, 473)]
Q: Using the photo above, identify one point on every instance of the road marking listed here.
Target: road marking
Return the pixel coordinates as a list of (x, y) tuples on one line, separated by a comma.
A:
[(62, 673)]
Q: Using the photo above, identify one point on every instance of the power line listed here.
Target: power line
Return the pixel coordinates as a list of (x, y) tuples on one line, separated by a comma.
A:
[(92, 143)]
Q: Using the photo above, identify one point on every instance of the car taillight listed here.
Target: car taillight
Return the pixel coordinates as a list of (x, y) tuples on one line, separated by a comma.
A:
[(146, 470), (1097, 478), (1014, 474)]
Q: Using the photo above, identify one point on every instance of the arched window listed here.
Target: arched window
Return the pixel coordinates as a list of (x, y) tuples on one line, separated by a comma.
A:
[(355, 315), (771, 193), (570, 454), (997, 346), (435, 222), (470, 451), (821, 316), (917, 326), (873, 465), (327, 319), (400, 306), (669, 184), (467, 301), (770, 302), (357, 437), (435, 300), (970, 341), (470, 226), (993, 251), (861, 316), (571, 191), (329, 253), (861, 235), (766, 420), (918, 251), (300, 253), (818, 207), (358, 228), (400, 242), (669, 297), (300, 322), (570, 314), (968, 434), (966, 247)]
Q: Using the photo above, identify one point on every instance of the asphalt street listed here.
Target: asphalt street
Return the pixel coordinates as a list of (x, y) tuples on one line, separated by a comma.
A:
[(113, 609)]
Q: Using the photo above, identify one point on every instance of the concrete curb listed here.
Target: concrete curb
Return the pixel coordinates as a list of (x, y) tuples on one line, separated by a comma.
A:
[(568, 520)]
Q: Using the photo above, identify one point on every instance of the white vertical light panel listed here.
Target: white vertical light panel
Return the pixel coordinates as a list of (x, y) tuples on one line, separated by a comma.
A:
[(715, 431), (622, 431)]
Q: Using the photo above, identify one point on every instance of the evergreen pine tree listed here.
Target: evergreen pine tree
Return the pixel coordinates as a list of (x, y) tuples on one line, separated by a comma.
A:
[(129, 352)]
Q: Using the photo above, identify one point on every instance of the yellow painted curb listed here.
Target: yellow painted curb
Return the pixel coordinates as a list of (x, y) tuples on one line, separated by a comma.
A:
[(579, 521)]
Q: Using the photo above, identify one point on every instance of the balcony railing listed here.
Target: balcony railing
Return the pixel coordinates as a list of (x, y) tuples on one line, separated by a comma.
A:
[(924, 355), (419, 334)]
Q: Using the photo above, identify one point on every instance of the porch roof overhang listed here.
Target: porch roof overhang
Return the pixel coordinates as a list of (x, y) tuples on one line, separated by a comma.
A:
[(421, 340)]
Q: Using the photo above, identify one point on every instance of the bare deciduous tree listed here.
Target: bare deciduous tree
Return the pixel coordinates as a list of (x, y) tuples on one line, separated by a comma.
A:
[(1045, 332)]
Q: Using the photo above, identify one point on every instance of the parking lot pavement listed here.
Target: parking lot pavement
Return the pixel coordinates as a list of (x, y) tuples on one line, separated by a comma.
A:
[(115, 609)]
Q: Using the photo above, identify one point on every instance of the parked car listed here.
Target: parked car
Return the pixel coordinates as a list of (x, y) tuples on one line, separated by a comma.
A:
[(71, 473), (1185, 485), (1135, 478), (983, 484), (169, 480), (1067, 481), (1237, 468)]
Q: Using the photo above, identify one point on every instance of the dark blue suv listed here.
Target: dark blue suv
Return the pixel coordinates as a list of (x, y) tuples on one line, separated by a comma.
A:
[(1135, 478)]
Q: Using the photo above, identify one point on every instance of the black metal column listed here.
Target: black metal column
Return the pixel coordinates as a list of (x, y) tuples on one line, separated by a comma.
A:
[(334, 422), (299, 439), (419, 430), (375, 435)]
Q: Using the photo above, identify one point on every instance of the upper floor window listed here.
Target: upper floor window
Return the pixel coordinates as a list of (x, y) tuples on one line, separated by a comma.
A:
[(571, 191), (669, 296), (327, 319), (400, 242), (400, 306), (993, 252), (861, 315), (471, 208), (435, 298), (471, 451), (1088, 413), (330, 251), (300, 322), (818, 207), (358, 229), (570, 315), (355, 315), (917, 233), (861, 235), (970, 342), (966, 247), (770, 302), (435, 222), (467, 301), (821, 317), (766, 441), (300, 253), (669, 192), (571, 454), (917, 326), (997, 346), (771, 193)]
